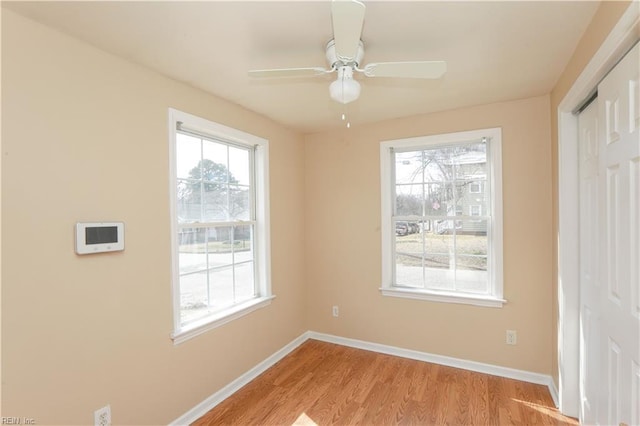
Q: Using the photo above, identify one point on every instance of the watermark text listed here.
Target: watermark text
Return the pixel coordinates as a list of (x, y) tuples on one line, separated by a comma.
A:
[(17, 421)]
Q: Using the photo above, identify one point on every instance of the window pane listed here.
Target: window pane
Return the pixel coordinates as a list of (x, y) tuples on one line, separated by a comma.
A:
[(220, 246), (460, 197), (243, 243), (472, 246), (239, 207), (440, 255), (409, 200), (213, 172), (221, 287), (239, 166), (408, 237), (449, 200), (435, 204), (189, 201), (439, 272), (408, 167), (409, 271), (438, 165), (215, 202), (245, 282), (471, 260), (193, 276), (220, 266), (188, 152), (214, 163), (193, 297), (469, 277), (471, 161), (409, 249), (191, 249), (479, 198)]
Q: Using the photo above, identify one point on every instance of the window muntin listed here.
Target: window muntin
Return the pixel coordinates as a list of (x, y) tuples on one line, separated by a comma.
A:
[(456, 247), (220, 223)]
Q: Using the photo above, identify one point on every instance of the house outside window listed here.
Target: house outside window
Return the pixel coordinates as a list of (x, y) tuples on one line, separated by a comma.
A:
[(219, 222), (435, 182), (475, 210), (475, 187)]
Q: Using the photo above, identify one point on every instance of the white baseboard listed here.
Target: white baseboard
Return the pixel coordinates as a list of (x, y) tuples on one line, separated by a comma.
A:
[(494, 370), (202, 408)]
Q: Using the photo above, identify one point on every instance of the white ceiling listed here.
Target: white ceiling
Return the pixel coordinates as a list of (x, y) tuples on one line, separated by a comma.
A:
[(495, 51)]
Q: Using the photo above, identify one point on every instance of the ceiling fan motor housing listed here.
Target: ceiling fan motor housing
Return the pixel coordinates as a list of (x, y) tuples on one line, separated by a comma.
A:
[(336, 62)]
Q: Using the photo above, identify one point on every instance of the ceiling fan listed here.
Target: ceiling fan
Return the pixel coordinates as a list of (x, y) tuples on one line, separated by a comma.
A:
[(344, 54)]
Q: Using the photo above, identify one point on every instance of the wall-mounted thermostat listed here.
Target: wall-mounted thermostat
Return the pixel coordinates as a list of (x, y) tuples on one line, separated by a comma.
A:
[(99, 237)]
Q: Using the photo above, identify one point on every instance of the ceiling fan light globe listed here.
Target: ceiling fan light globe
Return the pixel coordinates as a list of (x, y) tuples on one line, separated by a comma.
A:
[(344, 90)]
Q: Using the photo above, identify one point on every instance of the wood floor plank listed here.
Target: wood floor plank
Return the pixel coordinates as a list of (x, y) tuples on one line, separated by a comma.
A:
[(321, 383), (479, 399), (416, 414)]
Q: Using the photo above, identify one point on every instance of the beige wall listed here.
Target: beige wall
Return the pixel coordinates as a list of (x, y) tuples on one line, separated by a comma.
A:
[(343, 251), (603, 21), (84, 138)]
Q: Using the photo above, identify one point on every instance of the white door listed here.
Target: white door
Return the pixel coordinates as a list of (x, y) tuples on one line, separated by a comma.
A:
[(610, 250)]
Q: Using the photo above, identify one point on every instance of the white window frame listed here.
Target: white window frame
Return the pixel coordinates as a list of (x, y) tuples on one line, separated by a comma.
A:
[(494, 237), (472, 206), (262, 256)]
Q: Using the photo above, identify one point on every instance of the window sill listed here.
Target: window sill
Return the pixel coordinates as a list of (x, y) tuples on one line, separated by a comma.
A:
[(446, 297), (221, 318)]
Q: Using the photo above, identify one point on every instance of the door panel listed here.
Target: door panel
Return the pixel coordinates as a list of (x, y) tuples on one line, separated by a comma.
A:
[(618, 157), (610, 249), (612, 231), (613, 376)]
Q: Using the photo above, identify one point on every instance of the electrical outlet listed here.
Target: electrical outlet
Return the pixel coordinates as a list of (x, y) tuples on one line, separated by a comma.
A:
[(102, 417), (336, 312), (512, 337)]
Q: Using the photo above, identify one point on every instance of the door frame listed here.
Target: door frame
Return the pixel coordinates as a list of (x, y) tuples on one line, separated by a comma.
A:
[(620, 39)]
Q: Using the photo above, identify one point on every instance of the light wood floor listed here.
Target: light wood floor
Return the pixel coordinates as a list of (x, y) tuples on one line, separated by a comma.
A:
[(322, 383)]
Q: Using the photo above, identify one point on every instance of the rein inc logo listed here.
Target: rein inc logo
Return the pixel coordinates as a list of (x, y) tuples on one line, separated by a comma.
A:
[(17, 421)]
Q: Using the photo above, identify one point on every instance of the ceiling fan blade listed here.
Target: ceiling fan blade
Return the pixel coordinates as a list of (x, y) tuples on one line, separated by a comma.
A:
[(418, 69), (288, 72), (347, 17)]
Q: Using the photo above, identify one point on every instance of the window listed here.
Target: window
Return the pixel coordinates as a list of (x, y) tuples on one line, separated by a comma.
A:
[(434, 182), (219, 218)]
